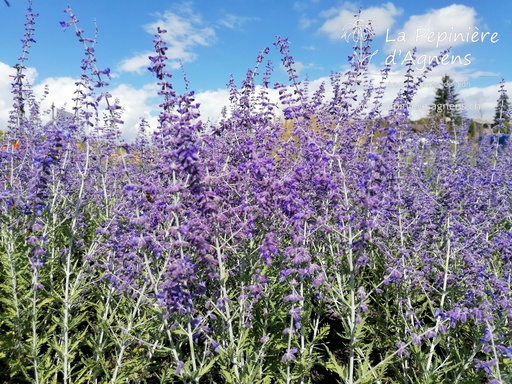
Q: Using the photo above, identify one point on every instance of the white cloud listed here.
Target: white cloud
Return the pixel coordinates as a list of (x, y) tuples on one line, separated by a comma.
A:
[(482, 101), (478, 101), (212, 102), (7, 74), (185, 31), (434, 30), (137, 103), (137, 64), (342, 19), (299, 67), (5, 93), (60, 93), (444, 25), (143, 102), (235, 22)]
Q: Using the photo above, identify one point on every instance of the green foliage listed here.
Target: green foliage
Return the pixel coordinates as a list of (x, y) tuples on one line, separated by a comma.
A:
[(446, 102), (502, 114)]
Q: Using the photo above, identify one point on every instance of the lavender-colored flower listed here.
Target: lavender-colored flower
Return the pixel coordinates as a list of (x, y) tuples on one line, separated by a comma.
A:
[(293, 297), (401, 349), (289, 355), (486, 366), (487, 337), (179, 367)]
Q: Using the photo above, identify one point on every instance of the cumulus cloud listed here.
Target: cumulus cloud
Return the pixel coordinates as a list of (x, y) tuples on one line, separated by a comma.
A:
[(482, 101), (142, 102), (435, 30), (7, 74), (297, 65), (5, 93), (342, 18), (477, 101), (212, 103), (137, 103), (137, 64), (186, 30)]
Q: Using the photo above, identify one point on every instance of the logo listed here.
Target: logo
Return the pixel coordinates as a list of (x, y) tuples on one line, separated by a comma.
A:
[(359, 33)]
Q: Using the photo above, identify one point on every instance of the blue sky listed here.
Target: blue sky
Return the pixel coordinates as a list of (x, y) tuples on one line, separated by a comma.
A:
[(217, 39)]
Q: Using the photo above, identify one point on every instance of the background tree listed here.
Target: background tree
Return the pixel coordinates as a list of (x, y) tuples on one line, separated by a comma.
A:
[(502, 115), (446, 101)]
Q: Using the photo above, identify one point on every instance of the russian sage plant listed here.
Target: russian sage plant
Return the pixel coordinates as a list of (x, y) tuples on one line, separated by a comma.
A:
[(313, 238)]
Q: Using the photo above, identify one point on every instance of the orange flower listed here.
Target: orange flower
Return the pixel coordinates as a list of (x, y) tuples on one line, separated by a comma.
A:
[(16, 145)]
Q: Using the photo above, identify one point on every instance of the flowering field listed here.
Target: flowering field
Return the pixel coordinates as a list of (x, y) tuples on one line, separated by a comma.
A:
[(313, 240)]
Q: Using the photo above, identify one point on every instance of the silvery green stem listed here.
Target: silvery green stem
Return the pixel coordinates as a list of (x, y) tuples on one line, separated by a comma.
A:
[(70, 291), (223, 277), (444, 293), (467, 364), (11, 261), (352, 294), (302, 341), (127, 330), (495, 353), (34, 327), (155, 283), (99, 345), (289, 346), (191, 347), (362, 379)]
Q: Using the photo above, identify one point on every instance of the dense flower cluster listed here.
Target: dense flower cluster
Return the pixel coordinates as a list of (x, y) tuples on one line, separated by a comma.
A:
[(315, 234)]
